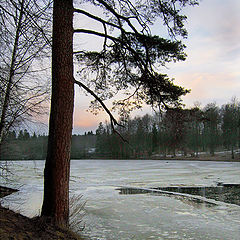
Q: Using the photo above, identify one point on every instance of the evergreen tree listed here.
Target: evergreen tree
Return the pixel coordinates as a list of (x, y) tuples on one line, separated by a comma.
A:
[(194, 133), (155, 142), (127, 60), (230, 127), (211, 127)]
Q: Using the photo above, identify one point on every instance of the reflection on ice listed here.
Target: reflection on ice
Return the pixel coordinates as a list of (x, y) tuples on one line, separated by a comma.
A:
[(228, 193), (6, 191), (182, 196)]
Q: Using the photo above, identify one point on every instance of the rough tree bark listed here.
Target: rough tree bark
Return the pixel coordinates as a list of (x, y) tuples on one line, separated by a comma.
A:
[(57, 167)]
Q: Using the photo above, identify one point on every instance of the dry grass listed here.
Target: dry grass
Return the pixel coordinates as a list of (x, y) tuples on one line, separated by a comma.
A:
[(77, 213), (14, 226)]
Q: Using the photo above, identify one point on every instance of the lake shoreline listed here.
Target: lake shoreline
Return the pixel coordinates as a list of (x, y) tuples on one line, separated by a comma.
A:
[(225, 156), (179, 158), (14, 225), (203, 158)]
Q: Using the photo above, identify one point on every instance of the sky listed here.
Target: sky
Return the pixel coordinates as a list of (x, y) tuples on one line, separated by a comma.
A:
[(211, 70)]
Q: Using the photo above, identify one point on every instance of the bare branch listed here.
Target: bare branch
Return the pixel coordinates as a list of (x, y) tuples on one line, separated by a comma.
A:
[(96, 33), (105, 40), (114, 39), (99, 100), (96, 18), (118, 16), (112, 119), (118, 133)]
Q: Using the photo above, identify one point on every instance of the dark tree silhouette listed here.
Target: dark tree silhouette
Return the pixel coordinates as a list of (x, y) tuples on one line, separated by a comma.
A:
[(230, 125), (211, 126)]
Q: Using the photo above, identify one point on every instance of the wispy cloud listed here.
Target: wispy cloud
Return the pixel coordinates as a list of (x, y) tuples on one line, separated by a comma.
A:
[(213, 47)]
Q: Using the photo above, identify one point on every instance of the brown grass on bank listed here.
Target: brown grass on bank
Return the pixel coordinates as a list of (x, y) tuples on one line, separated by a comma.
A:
[(14, 226)]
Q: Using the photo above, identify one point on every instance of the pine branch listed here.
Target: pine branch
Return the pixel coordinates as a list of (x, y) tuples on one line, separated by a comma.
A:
[(96, 18), (112, 119), (118, 16), (99, 100), (114, 39)]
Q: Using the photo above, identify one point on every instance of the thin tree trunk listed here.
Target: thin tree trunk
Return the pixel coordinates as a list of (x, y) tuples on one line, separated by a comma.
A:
[(11, 75), (232, 152), (57, 167)]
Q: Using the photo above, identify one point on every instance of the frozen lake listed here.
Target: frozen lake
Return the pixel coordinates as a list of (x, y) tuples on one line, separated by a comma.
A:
[(110, 215)]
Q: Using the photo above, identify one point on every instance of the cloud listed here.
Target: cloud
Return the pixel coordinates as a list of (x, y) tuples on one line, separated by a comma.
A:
[(213, 47), (216, 23), (208, 87)]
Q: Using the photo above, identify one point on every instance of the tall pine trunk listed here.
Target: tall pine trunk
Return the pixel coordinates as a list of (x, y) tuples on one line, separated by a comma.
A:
[(57, 167)]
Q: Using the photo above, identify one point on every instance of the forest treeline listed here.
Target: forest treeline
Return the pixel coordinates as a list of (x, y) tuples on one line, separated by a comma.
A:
[(184, 131), (23, 146)]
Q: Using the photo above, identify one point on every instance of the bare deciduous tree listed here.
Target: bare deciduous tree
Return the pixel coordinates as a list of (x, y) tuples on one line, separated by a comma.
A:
[(24, 42)]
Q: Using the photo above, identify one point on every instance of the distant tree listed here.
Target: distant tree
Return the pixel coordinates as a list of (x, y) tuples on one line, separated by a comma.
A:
[(230, 125), (101, 139), (211, 132), (20, 135), (81, 145), (155, 142), (140, 138), (194, 131), (175, 122), (24, 146), (6, 150), (34, 135), (129, 60), (12, 136)]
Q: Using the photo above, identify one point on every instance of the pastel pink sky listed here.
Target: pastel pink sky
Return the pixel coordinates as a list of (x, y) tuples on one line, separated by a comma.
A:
[(212, 69)]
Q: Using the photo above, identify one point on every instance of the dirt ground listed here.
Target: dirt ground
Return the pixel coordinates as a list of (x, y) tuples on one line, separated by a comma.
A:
[(14, 226)]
